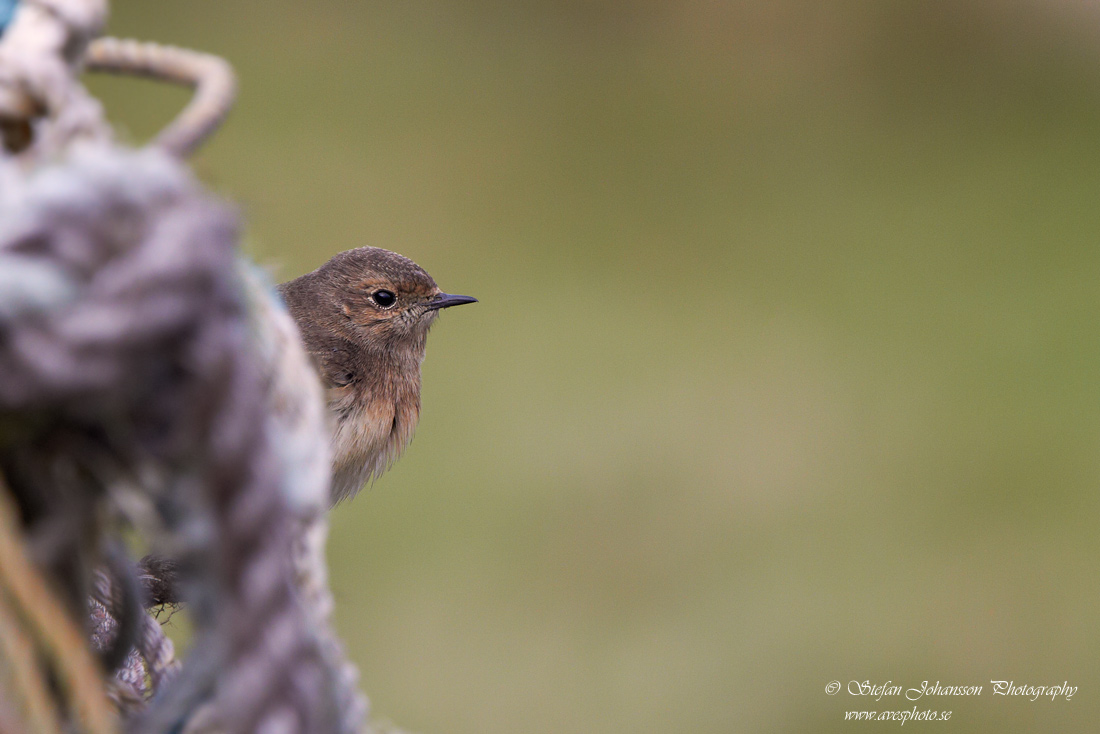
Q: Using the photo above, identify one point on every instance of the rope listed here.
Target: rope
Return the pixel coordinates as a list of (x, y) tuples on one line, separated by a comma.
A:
[(211, 77), (152, 654), (42, 108), (76, 670), (23, 675), (7, 10), (139, 356), (47, 42), (134, 367)]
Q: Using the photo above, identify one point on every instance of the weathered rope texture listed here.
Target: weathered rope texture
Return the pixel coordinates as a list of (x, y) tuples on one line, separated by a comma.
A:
[(131, 369), (42, 108), (125, 352), (212, 78)]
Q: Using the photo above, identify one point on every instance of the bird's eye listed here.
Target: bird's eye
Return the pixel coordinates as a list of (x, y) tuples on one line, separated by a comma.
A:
[(385, 299)]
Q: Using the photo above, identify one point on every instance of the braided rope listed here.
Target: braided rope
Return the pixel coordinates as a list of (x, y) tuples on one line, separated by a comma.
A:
[(127, 362), (139, 354), (42, 108), (153, 654), (212, 78)]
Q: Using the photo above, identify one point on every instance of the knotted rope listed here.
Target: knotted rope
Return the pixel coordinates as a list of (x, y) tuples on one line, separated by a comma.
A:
[(136, 361), (145, 375)]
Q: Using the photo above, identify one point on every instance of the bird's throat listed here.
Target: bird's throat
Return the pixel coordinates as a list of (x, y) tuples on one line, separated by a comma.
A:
[(374, 422)]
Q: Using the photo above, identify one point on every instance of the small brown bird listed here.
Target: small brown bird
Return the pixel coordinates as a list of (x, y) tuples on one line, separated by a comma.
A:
[(364, 317)]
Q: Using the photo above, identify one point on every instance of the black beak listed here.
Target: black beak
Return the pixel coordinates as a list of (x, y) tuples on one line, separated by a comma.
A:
[(446, 300)]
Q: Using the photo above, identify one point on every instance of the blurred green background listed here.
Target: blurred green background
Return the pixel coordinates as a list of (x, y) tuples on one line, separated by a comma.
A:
[(786, 367)]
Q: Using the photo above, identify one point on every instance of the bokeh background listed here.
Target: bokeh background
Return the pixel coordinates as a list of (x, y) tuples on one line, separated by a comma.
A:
[(787, 362)]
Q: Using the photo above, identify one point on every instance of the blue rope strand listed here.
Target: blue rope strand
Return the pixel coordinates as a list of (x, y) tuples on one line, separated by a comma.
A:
[(7, 10)]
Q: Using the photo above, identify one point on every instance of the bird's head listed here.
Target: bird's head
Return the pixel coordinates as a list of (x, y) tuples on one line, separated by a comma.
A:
[(382, 301)]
